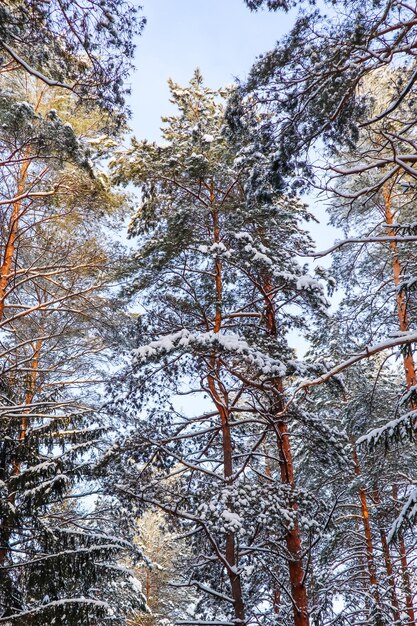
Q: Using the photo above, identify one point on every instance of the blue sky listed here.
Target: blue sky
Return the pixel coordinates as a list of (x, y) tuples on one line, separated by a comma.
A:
[(221, 37)]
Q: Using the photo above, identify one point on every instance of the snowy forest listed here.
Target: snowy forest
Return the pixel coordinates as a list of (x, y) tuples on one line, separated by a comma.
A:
[(208, 414)]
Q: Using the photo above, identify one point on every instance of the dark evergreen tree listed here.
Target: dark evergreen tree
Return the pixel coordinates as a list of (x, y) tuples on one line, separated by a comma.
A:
[(312, 83)]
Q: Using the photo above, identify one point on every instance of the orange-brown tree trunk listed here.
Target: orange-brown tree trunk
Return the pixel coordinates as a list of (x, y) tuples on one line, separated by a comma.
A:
[(220, 398), (5, 270), (370, 555), (406, 582), (293, 537), (409, 366), (13, 230), (410, 377), (390, 573), (388, 563)]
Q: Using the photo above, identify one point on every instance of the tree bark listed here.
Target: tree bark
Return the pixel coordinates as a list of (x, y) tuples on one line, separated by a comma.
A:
[(388, 562), (13, 231), (293, 537), (220, 398), (401, 300), (411, 381), (370, 554)]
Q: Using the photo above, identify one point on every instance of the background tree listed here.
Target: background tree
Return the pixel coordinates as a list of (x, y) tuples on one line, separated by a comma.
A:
[(162, 571), (85, 47), (57, 325)]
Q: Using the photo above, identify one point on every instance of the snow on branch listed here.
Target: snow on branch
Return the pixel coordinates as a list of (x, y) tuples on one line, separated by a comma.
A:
[(55, 603), (204, 588), (362, 240), (407, 514), (396, 428), (203, 623), (31, 70), (230, 342), (401, 339)]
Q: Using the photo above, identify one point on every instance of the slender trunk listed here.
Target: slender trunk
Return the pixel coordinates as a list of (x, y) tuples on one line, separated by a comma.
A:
[(405, 573), (13, 230), (5, 269), (370, 555), (220, 398), (411, 381), (388, 563), (401, 300), (10, 246), (390, 574), (293, 537)]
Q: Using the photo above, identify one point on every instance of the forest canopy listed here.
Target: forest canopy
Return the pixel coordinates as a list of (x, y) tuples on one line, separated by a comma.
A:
[(208, 414)]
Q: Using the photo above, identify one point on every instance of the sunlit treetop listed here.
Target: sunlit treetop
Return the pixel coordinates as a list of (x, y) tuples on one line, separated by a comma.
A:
[(85, 46)]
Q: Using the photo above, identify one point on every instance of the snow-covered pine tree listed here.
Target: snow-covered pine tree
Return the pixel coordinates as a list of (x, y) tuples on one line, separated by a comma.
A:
[(369, 583), (56, 563), (348, 84), (312, 82), (84, 47), (378, 277), (218, 279)]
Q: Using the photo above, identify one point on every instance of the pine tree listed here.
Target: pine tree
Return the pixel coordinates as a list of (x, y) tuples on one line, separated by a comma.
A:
[(85, 48), (217, 275), (368, 565), (56, 564), (312, 84)]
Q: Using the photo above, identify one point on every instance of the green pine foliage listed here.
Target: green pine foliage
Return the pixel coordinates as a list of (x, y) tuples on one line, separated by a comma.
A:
[(213, 207), (85, 47)]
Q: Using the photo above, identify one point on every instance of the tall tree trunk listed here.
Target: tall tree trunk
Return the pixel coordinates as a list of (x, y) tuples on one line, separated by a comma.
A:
[(220, 398), (293, 537), (13, 231), (410, 377), (401, 300), (388, 562), (370, 554), (5, 270)]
